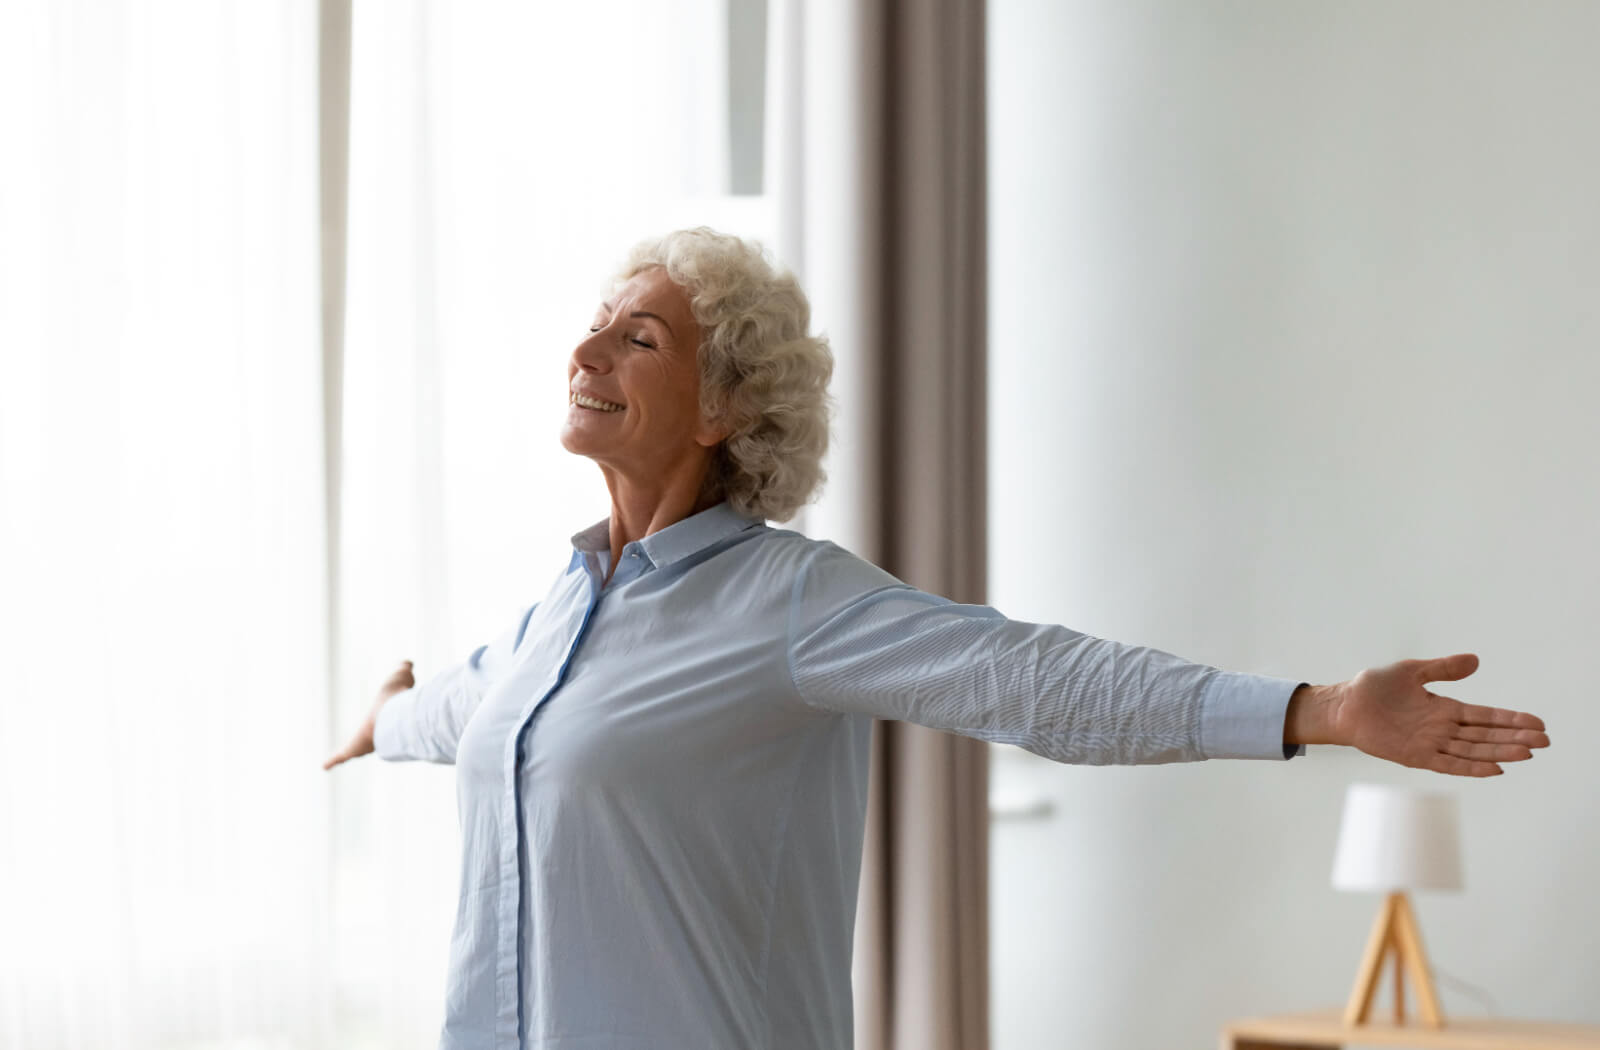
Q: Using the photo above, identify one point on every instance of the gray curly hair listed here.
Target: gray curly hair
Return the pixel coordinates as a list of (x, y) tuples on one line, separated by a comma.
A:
[(761, 374)]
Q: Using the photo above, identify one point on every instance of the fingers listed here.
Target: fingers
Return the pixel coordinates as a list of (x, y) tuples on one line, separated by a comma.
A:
[(1464, 767), (335, 760), (1488, 752), (1486, 735), (1447, 668), (403, 674), (1476, 715)]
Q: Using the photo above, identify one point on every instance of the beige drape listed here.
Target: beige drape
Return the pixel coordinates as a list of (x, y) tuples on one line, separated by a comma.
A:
[(922, 927), (878, 161)]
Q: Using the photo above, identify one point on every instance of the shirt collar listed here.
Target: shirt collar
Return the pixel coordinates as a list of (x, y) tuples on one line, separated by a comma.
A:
[(678, 540)]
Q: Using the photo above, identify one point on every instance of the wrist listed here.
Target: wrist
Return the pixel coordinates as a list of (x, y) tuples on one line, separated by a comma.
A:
[(1310, 716)]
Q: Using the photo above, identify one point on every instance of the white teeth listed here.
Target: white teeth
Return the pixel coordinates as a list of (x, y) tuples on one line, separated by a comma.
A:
[(597, 405)]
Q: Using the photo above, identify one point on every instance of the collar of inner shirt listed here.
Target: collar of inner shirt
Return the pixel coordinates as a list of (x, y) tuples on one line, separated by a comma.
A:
[(673, 543)]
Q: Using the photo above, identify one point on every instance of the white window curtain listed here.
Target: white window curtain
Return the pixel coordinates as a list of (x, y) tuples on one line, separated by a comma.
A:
[(176, 870), (163, 821)]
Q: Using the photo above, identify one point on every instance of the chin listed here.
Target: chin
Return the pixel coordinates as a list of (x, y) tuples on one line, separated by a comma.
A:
[(578, 443)]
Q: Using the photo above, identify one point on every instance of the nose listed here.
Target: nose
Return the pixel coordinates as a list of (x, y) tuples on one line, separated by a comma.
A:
[(594, 353)]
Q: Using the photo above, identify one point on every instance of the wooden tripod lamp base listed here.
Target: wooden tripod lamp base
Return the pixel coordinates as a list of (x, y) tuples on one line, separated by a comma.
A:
[(1395, 933)]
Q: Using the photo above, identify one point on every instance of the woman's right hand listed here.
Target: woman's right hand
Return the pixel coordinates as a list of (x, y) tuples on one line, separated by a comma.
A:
[(361, 743)]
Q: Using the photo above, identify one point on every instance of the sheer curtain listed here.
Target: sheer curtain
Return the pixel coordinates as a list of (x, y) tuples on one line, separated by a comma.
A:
[(176, 870), (503, 159), (163, 822)]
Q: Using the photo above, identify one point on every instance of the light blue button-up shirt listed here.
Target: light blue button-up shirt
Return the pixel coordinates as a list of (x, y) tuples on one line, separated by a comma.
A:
[(662, 781)]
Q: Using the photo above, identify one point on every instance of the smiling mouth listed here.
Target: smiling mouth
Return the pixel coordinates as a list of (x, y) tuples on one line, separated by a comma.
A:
[(594, 404)]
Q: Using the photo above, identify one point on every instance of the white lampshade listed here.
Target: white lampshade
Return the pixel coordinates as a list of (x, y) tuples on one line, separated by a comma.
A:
[(1394, 838)]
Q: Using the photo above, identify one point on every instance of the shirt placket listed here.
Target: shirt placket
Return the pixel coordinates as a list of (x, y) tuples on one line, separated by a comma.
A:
[(508, 978)]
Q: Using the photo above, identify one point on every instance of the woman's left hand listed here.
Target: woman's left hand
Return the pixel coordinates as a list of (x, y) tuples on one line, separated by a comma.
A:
[(1390, 713)]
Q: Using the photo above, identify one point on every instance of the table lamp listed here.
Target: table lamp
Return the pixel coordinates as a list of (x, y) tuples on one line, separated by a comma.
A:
[(1392, 840)]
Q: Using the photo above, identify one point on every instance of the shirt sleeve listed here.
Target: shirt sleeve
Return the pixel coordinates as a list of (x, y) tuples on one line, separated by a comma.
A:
[(425, 722), (861, 641)]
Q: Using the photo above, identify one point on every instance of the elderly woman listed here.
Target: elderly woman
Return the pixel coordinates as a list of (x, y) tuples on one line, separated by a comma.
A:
[(662, 764)]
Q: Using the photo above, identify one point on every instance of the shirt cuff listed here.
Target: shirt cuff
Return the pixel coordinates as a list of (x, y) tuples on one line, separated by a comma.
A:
[(1242, 716), (387, 739)]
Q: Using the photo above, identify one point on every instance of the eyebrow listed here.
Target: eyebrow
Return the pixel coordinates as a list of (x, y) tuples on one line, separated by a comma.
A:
[(658, 317), (646, 313)]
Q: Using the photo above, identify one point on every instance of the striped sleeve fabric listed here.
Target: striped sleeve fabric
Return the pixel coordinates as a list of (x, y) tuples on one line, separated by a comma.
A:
[(861, 641)]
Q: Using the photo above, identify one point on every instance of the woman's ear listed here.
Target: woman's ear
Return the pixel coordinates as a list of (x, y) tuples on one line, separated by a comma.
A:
[(714, 430), (710, 435)]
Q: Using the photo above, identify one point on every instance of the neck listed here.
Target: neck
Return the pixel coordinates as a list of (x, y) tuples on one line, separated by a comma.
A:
[(640, 506)]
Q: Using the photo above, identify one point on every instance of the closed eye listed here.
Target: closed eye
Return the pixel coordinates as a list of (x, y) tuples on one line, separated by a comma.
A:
[(635, 342)]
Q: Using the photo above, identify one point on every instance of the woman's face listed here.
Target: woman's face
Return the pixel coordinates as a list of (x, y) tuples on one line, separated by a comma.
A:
[(633, 386)]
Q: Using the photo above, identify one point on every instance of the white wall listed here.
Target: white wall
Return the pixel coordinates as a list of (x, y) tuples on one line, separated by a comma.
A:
[(1296, 348)]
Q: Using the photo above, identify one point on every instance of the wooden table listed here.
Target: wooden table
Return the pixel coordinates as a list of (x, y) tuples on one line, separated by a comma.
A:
[(1326, 1030)]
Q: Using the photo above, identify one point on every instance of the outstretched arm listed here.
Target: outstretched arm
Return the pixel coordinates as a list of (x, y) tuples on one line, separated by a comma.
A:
[(1390, 713), (425, 722), (361, 743), (863, 642)]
